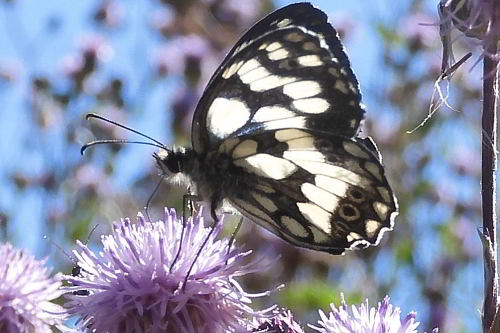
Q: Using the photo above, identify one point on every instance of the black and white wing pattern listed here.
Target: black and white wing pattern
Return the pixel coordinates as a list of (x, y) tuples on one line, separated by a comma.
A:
[(288, 71), (313, 189), (275, 135)]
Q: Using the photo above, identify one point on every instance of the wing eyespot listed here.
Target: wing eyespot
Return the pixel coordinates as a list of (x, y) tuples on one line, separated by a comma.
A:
[(339, 229), (349, 212), (355, 195)]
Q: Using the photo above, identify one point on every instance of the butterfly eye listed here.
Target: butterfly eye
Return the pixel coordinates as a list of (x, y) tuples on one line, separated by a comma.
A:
[(169, 161), (173, 164)]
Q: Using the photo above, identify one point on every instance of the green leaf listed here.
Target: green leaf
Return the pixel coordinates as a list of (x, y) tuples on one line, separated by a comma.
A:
[(302, 297)]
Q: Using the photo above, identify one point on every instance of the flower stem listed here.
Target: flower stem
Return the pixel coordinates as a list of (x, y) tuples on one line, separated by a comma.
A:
[(488, 181)]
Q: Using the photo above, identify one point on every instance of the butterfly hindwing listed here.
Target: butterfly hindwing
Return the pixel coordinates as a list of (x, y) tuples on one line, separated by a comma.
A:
[(314, 189), (289, 70)]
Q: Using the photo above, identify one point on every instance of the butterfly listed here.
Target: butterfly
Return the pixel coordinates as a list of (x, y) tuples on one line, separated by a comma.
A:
[(275, 136)]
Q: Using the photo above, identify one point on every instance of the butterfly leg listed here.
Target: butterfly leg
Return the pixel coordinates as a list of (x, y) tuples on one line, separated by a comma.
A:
[(187, 199), (213, 205), (233, 236), (189, 202), (155, 191)]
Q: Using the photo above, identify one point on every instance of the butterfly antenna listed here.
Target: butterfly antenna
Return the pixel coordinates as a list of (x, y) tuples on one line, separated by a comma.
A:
[(154, 142), (96, 116), (119, 141)]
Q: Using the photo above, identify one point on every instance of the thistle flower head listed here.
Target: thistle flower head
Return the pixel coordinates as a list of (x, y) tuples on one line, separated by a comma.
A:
[(26, 291), (130, 287), (384, 319), (281, 322)]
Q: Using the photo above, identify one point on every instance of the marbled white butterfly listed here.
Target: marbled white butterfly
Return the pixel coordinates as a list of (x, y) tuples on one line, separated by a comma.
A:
[(275, 136)]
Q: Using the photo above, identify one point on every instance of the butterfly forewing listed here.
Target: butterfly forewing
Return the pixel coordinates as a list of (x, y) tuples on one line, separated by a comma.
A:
[(289, 70)]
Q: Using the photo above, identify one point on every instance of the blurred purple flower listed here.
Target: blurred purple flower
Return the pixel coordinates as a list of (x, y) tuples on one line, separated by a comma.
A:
[(88, 176), (174, 56), (98, 46), (344, 23), (465, 160), (281, 322), (384, 319), (110, 13), (244, 12), (163, 20), (129, 287), (10, 70), (26, 291), (463, 229), (72, 64), (93, 49), (419, 30), (183, 104)]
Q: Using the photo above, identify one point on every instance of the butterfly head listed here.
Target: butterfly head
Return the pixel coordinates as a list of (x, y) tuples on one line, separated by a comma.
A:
[(171, 161)]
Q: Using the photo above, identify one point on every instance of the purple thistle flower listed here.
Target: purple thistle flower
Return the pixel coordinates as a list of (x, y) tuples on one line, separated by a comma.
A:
[(26, 291), (129, 287), (384, 319), (281, 322)]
